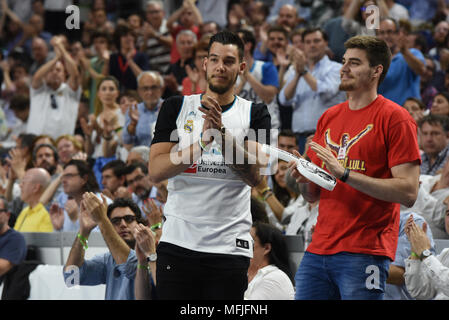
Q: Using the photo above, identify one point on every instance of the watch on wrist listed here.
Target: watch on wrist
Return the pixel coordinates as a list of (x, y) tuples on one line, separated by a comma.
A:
[(426, 253), (303, 73), (152, 257)]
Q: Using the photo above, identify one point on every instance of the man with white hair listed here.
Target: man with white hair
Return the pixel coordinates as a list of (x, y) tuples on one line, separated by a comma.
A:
[(140, 119), (54, 98), (185, 42), (34, 217)]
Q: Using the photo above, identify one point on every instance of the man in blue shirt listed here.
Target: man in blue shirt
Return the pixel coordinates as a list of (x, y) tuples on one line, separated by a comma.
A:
[(407, 65), (12, 243), (117, 268), (140, 119), (312, 86)]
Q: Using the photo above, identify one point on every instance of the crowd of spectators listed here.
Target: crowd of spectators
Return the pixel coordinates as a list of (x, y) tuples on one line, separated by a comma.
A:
[(78, 107)]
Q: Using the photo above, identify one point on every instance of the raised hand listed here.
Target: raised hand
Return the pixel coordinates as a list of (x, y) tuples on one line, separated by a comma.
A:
[(56, 216), (153, 213), (17, 162), (71, 207), (97, 208), (193, 74), (145, 241), (134, 113), (87, 223)]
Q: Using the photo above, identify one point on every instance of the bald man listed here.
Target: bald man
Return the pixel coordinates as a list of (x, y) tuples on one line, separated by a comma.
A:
[(34, 217), (288, 17)]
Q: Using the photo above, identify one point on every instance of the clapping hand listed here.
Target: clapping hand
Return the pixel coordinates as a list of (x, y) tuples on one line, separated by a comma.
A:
[(153, 213), (417, 236), (56, 216), (87, 223), (145, 242)]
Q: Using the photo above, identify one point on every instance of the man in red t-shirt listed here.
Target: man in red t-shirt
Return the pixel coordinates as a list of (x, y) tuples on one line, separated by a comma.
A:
[(370, 144)]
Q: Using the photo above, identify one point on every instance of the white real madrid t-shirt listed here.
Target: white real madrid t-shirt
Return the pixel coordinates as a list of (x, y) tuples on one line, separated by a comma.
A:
[(208, 205)]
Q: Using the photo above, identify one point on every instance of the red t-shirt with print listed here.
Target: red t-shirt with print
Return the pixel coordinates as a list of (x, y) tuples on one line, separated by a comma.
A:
[(370, 141)]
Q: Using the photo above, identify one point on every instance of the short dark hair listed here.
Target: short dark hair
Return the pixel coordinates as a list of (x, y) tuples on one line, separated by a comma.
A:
[(126, 203), (101, 34), (435, 119), (377, 52), (278, 28), (85, 170), (288, 133), (419, 102), (117, 166), (248, 37), (313, 30), (133, 166), (258, 211), (227, 37), (20, 102), (46, 145)]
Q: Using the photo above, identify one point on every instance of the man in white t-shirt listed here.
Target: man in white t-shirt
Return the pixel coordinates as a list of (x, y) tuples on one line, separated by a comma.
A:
[(54, 98)]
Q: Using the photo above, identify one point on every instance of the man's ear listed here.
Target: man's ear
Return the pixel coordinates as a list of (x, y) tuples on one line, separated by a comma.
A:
[(267, 248), (378, 71), (242, 67), (205, 64)]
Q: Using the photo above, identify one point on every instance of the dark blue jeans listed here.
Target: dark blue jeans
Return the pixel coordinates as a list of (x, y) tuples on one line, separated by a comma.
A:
[(346, 276)]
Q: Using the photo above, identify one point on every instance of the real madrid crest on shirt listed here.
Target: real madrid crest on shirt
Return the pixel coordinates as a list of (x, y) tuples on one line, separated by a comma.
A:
[(188, 127)]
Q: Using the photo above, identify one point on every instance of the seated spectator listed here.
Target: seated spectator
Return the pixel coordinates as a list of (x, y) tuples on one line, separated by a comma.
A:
[(141, 118), (303, 221), (196, 81), (440, 104), (116, 268), (77, 178), (426, 273), (13, 248), (54, 101), (45, 156), (113, 177), (428, 91), (34, 218), (395, 288), (416, 108), (269, 276), (433, 135), (127, 63), (276, 39), (128, 99), (102, 133), (185, 42), (67, 147), (138, 154)]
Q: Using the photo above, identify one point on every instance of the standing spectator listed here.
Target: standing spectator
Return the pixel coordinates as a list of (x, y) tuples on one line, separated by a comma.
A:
[(268, 274), (288, 17), (214, 11), (113, 177), (13, 248), (434, 134), (141, 118), (116, 268), (54, 101), (34, 217), (313, 87), (407, 65), (195, 82), (368, 193), (185, 42), (440, 104), (127, 63), (156, 40)]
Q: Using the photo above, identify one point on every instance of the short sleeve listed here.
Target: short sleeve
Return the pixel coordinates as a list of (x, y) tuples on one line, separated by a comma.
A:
[(166, 121), (261, 122)]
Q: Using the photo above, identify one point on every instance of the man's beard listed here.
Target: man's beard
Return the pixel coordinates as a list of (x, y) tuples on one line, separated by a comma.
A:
[(50, 168), (220, 89)]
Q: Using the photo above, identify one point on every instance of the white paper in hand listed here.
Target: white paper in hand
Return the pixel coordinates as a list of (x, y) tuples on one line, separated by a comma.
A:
[(306, 168)]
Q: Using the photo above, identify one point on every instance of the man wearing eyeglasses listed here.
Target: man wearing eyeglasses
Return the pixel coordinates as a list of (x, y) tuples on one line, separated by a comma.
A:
[(116, 268), (407, 64), (141, 119)]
